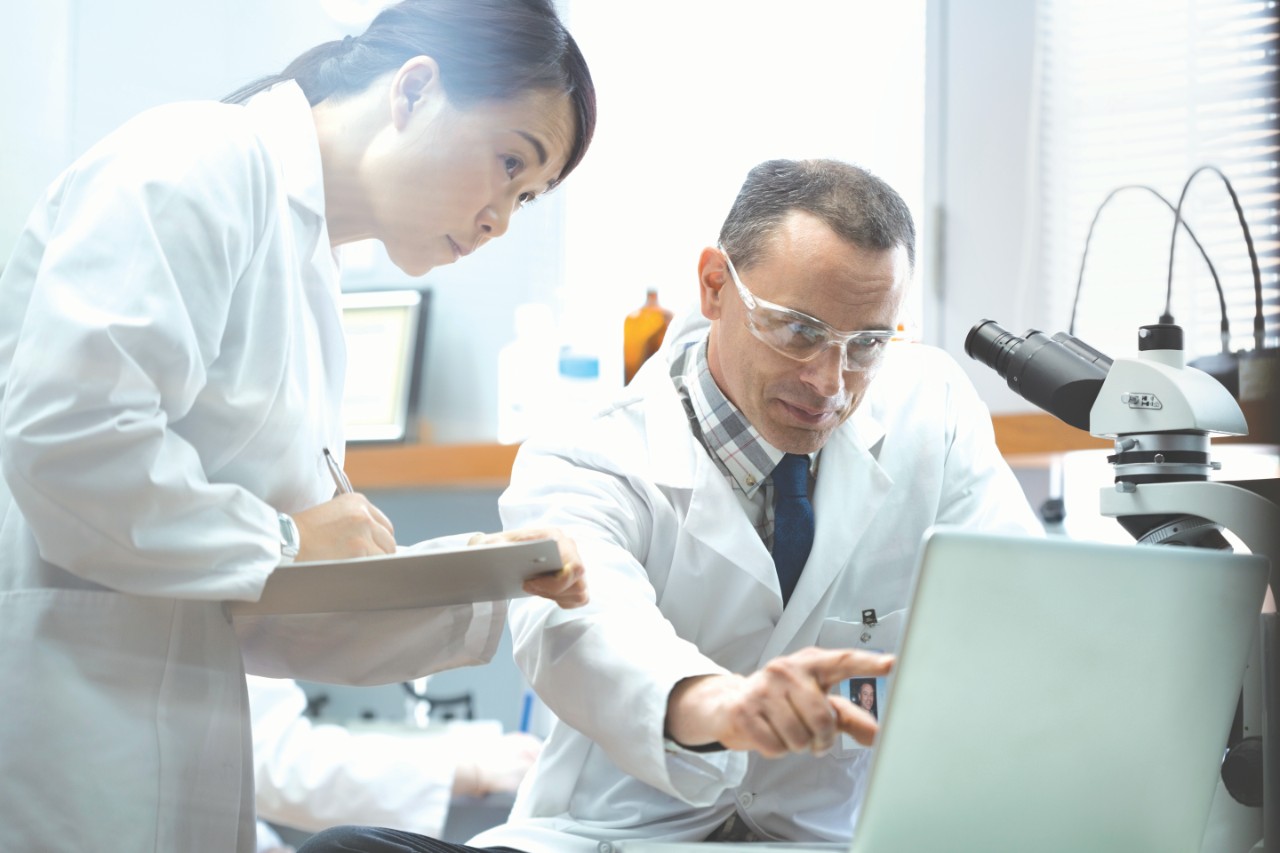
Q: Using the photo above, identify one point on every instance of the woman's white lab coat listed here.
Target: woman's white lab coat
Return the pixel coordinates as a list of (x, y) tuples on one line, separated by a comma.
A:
[(171, 366), (682, 585)]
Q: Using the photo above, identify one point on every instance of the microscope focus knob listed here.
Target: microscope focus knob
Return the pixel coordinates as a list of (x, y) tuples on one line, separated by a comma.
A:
[(1242, 772)]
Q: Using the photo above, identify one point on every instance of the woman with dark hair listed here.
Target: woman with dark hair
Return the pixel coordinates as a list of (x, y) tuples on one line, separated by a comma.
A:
[(171, 367)]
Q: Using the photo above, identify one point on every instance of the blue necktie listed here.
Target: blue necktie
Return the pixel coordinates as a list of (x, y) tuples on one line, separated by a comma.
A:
[(792, 520)]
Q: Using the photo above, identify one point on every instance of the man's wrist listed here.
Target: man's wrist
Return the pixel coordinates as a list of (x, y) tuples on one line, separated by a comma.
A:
[(673, 745), (688, 726)]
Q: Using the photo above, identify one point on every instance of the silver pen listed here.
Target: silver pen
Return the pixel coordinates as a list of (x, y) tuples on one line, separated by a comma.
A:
[(339, 477)]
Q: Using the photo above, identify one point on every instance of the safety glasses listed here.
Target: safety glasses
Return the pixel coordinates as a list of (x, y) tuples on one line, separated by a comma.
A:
[(804, 338)]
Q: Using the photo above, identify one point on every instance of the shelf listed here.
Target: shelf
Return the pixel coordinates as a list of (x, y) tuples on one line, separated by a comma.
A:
[(1025, 439), (430, 466)]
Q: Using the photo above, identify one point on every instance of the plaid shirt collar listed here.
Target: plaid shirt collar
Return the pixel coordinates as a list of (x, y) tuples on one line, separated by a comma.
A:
[(739, 451)]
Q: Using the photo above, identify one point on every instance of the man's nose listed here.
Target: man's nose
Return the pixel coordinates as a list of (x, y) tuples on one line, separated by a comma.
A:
[(825, 374)]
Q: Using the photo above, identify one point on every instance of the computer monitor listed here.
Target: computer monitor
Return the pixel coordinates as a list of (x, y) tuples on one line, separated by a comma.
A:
[(386, 333)]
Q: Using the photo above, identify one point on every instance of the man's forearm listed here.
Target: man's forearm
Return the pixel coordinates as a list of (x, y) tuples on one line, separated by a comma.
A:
[(695, 708)]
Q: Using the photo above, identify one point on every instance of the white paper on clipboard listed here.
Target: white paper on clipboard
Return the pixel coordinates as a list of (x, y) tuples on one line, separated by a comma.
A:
[(405, 580)]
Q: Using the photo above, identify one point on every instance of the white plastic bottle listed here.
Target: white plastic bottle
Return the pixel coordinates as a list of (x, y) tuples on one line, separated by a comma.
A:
[(580, 389), (528, 371)]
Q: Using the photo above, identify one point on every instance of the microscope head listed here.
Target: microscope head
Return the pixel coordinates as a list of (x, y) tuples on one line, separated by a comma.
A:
[(1156, 392), (1159, 411)]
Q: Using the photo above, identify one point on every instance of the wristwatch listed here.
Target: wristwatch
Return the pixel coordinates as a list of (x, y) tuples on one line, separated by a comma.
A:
[(289, 539)]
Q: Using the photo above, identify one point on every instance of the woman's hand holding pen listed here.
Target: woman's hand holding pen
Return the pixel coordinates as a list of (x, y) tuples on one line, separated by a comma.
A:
[(347, 526), (567, 587)]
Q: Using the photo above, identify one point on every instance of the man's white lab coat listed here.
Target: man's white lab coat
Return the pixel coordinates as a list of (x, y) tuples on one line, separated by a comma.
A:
[(171, 367), (682, 585)]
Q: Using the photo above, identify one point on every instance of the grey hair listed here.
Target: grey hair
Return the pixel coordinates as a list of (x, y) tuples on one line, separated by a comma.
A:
[(861, 208)]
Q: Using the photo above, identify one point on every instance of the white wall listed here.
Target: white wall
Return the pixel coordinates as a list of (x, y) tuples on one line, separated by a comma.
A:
[(644, 201), (979, 182), (34, 108), (691, 95), (75, 69)]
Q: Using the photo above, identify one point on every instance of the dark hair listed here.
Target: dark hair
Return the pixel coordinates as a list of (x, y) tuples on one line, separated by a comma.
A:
[(487, 50), (858, 206)]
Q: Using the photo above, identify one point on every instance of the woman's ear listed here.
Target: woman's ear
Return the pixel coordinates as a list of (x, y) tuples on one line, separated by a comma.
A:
[(414, 85), (712, 275)]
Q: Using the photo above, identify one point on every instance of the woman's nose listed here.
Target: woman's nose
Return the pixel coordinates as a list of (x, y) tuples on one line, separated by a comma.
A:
[(492, 222)]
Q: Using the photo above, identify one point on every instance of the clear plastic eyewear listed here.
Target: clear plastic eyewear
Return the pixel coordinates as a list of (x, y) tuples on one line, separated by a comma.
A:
[(803, 338)]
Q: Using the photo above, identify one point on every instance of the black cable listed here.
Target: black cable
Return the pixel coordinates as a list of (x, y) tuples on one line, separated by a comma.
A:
[(1222, 300), (1259, 325)]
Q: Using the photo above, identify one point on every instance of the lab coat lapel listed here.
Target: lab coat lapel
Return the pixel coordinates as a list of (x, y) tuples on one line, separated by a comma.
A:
[(716, 520), (680, 463), (850, 489)]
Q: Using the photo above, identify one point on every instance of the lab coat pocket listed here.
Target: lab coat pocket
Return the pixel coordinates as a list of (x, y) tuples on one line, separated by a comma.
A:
[(877, 633)]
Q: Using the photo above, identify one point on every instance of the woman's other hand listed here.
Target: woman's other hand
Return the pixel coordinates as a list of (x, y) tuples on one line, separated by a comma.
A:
[(567, 587), (347, 526)]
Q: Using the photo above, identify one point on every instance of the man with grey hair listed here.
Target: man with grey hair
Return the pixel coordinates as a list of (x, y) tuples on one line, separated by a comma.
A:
[(752, 508)]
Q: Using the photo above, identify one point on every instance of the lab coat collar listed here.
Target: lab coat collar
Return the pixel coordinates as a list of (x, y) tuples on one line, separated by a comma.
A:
[(866, 430), (283, 118), (674, 451)]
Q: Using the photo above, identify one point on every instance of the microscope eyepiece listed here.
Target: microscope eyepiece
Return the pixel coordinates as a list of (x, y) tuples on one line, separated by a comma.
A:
[(991, 343), (1061, 375)]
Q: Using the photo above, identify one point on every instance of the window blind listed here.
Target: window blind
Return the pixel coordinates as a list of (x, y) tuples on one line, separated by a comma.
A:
[(1144, 92)]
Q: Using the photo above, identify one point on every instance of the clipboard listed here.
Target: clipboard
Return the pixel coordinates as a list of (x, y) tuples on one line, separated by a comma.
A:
[(406, 580)]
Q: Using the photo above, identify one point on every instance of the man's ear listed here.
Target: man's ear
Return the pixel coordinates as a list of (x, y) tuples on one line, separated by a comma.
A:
[(713, 274), (413, 86)]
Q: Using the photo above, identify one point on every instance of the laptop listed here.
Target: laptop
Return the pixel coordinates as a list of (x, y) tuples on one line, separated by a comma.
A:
[(1053, 695)]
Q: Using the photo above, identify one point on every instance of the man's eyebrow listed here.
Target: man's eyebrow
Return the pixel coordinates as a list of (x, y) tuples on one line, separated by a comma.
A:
[(537, 146)]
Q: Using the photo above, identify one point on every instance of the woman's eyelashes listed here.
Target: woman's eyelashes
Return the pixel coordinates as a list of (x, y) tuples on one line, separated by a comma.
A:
[(514, 166)]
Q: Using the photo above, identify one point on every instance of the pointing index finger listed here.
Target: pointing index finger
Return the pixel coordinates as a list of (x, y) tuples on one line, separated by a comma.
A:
[(835, 665)]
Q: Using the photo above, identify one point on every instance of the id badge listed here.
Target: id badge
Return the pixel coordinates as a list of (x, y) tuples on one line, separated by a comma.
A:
[(873, 634)]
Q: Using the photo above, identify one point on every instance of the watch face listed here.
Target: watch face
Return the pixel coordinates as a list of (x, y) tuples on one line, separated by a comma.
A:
[(288, 536)]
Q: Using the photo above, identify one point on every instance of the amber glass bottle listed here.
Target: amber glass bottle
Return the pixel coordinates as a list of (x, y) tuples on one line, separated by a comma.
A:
[(642, 333)]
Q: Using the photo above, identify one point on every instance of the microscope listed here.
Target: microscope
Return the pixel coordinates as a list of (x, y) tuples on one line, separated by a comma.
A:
[(1161, 415)]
